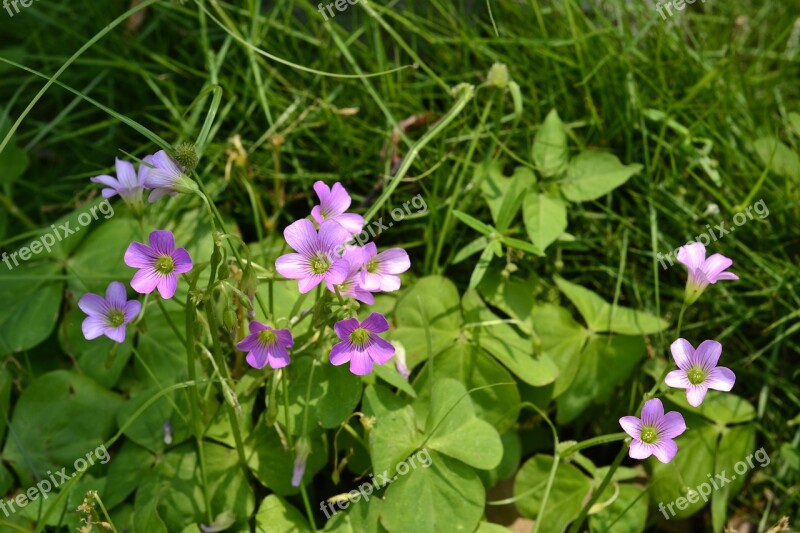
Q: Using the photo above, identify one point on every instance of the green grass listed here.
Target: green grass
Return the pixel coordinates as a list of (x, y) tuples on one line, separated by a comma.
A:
[(310, 100)]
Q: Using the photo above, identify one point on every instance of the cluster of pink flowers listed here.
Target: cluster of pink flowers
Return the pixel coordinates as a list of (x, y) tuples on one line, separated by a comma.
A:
[(697, 372), (323, 253), (159, 263)]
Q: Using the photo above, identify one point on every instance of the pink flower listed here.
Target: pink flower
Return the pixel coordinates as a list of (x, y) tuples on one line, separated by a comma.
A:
[(266, 346), (316, 259), (380, 269), (361, 345), (333, 202), (653, 433), (128, 184), (108, 316), (351, 286), (702, 271), (159, 264), (698, 371)]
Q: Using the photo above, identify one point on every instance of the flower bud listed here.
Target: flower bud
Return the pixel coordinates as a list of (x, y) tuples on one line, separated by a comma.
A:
[(186, 156)]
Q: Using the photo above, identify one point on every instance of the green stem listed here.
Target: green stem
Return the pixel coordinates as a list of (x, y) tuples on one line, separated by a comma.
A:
[(194, 400), (576, 525), (594, 441)]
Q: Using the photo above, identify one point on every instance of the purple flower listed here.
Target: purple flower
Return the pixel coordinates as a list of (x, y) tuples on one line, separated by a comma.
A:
[(702, 271), (159, 264), (108, 316), (698, 371), (127, 184), (316, 259), (266, 346), (653, 433), (351, 286), (360, 343), (165, 176), (380, 269), (333, 202)]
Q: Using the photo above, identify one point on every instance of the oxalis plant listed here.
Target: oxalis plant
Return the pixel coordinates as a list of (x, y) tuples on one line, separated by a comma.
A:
[(297, 383)]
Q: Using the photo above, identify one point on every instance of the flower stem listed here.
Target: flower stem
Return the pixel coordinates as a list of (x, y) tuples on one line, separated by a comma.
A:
[(576, 525), (594, 441)]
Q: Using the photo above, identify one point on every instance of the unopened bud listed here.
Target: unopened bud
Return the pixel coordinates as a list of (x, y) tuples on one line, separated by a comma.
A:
[(186, 156)]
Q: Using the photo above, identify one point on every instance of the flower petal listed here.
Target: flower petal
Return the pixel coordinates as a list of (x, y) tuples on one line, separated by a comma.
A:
[(126, 174), (108, 181), (256, 326), (352, 222), (301, 236), (166, 164), (640, 450), (93, 305), (671, 425), (167, 285), (677, 379), (393, 261), (258, 357), (116, 295), (322, 190), (360, 363), (631, 425), (665, 450), (285, 338), (116, 334), (388, 282), (682, 351), (707, 354), (696, 394), (277, 356), (652, 412), (306, 284), (139, 255), (692, 255), (132, 309), (345, 327), (337, 272), (337, 202), (714, 265), (727, 276), (376, 323), (332, 235), (145, 281), (183, 261), (380, 350), (721, 378), (162, 242), (341, 353), (93, 327), (292, 266)]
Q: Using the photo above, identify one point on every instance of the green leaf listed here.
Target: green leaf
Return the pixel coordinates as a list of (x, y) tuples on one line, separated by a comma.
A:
[(394, 435), (718, 407), (275, 515), (330, 398), (6, 382), (603, 365), (521, 245), (570, 487), (481, 266), (446, 496), (471, 249), (545, 218), (77, 414), (173, 484), (550, 146), (591, 174), (735, 447), (794, 123), (601, 316), (99, 259), (626, 511), (777, 156), (562, 339), (506, 344), (273, 464), (33, 298), (432, 306), (498, 405), (691, 468), (504, 195), (474, 223), (125, 473), (454, 430)]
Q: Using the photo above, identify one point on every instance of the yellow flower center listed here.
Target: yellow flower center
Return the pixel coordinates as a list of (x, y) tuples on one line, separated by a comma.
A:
[(164, 265)]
